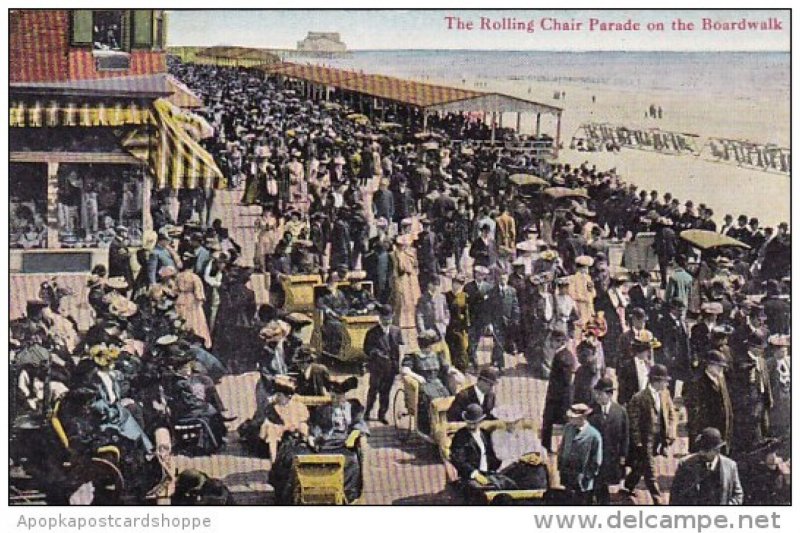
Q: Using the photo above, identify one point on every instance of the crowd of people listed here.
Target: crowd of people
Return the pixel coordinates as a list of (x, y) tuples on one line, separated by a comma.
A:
[(455, 253)]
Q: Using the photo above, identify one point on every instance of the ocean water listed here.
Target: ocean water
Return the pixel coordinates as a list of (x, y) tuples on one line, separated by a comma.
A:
[(734, 74)]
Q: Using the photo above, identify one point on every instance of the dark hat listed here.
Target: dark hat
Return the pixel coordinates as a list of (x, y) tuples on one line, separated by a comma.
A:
[(341, 387), (473, 413), (659, 373), (489, 374), (386, 310), (677, 303), (709, 439), (190, 480), (605, 385), (638, 312), (35, 305), (715, 357)]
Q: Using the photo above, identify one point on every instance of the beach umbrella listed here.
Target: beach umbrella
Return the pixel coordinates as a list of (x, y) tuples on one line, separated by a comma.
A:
[(527, 179), (706, 240), (557, 193)]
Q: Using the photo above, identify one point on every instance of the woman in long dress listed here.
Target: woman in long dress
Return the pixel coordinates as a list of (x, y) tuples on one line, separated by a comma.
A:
[(405, 284), (190, 299)]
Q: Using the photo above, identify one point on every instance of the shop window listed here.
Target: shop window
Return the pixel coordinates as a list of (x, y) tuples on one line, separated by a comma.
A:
[(27, 205), (94, 199)]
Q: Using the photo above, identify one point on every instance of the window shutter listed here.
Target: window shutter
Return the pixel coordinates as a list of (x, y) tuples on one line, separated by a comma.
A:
[(82, 27), (162, 36), (143, 28)]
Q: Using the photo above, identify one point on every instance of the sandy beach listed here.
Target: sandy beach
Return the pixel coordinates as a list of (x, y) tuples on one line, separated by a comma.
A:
[(725, 188)]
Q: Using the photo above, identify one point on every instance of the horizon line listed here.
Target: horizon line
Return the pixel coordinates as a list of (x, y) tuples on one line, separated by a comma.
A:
[(565, 50)]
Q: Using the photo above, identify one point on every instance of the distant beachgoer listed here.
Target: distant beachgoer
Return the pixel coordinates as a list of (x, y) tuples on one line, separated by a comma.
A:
[(659, 112)]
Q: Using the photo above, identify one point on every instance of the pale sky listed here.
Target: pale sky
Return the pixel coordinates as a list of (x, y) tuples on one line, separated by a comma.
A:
[(427, 29)]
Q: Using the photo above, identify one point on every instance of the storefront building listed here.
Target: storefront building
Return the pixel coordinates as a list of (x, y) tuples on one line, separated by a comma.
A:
[(92, 134)]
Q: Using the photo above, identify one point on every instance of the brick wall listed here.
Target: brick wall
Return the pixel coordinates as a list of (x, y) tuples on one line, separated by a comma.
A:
[(82, 64), (38, 46)]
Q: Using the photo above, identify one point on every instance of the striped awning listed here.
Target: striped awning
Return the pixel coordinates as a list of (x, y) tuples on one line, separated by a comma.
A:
[(165, 138), (52, 114), (179, 161)]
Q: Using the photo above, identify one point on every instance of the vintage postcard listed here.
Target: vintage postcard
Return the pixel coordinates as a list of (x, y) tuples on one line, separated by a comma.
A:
[(273, 257)]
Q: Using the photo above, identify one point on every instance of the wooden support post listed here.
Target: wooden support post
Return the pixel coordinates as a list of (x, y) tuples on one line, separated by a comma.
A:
[(519, 121), (52, 205), (493, 118), (147, 191), (538, 124), (558, 135)]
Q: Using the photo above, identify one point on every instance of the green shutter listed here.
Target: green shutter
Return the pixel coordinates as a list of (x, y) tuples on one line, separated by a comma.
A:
[(82, 27), (143, 28), (163, 43)]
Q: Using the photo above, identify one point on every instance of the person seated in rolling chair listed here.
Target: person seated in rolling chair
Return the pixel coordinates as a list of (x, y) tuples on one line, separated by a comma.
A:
[(473, 454), (333, 306), (359, 298), (333, 429), (481, 393)]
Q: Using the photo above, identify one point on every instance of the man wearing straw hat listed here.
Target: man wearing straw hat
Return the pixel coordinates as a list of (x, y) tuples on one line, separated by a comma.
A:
[(580, 454)]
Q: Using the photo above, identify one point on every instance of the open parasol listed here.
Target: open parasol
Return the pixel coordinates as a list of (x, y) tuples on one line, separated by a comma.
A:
[(564, 192), (706, 240), (527, 179)]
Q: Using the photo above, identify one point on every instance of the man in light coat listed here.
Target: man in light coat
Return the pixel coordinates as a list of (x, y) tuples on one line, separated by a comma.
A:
[(580, 455)]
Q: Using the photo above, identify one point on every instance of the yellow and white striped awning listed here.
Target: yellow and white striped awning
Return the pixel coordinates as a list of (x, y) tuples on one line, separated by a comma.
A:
[(52, 114), (179, 161), (165, 139)]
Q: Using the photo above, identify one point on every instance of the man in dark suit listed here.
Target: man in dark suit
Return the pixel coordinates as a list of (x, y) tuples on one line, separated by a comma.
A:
[(638, 322), (777, 309), (426, 246), (707, 477), (666, 247), (379, 268), (653, 429), (484, 249), (119, 256), (708, 401), (560, 386), (504, 315), (477, 292), (481, 393), (642, 295), (674, 337), (472, 452), (382, 348), (700, 337), (611, 420)]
